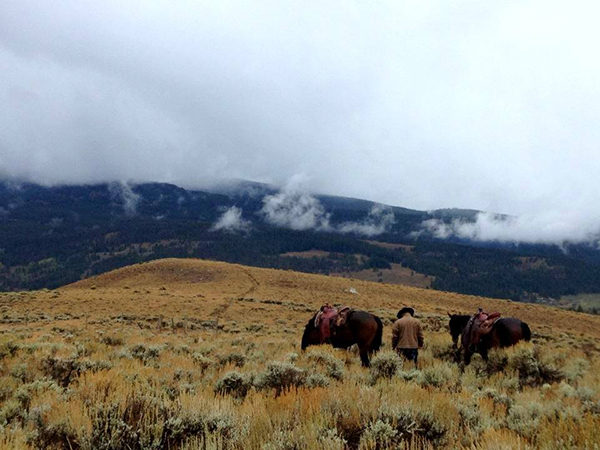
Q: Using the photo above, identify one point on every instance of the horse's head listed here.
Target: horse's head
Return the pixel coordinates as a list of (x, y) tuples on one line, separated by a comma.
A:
[(311, 335), (458, 322)]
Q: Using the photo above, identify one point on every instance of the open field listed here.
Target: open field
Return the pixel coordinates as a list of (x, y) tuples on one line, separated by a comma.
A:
[(396, 275), (186, 354), (587, 302)]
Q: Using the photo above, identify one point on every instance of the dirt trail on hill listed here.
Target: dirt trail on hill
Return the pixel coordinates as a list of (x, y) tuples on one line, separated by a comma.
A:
[(218, 312)]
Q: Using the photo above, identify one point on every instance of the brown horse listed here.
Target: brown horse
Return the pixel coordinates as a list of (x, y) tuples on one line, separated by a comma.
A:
[(360, 327), (504, 333)]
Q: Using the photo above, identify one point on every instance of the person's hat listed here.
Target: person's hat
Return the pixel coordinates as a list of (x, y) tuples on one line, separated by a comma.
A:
[(406, 310)]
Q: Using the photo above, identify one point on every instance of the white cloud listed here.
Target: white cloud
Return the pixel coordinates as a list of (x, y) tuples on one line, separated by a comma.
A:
[(380, 219), (550, 228), (292, 208), (123, 193), (232, 221)]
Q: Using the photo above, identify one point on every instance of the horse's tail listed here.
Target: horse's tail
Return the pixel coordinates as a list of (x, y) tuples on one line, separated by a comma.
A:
[(526, 331), (378, 335)]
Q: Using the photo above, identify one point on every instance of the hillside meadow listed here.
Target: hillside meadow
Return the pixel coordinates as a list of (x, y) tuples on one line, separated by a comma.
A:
[(191, 354)]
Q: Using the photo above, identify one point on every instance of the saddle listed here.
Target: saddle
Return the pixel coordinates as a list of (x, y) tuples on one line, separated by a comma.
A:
[(328, 318), (478, 326)]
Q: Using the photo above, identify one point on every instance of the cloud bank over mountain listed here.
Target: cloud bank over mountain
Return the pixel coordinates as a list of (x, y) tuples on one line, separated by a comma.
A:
[(550, 228), (492, 106)]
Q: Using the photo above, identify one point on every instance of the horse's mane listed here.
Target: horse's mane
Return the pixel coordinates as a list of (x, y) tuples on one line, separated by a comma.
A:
[(460, 318), (311, 322)]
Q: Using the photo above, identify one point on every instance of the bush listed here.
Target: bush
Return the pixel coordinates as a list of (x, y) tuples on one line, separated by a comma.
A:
[(497, 362), (113, 341), (237, 359), (576, 368), (330, 439), (334, 367), (533, 369), (446, 352), (497, 397), (282, 440), (378, 435), (8, 349), (60, 369), (410, 422), (187, 426), (385, 365), (202, 361), (10, 411), (281, 376), (22, 373), (51, 435), (524, 419), (234, 383), (317, 380), (473, 419), (146, 353), (436, 376)]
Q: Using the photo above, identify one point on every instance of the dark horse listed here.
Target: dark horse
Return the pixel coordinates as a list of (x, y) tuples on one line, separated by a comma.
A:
[(504, 333), (361, 327)]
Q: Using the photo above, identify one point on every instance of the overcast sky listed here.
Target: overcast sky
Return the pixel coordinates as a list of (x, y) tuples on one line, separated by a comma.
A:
[(473, 104)]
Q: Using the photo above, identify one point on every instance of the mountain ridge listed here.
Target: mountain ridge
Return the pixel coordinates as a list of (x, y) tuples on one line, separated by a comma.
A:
[(53, 236)]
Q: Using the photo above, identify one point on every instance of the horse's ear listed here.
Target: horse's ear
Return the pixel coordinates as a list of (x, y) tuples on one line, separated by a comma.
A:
[(449, 315)]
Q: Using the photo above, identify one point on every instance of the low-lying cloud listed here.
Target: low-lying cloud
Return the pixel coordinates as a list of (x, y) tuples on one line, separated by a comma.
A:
[(123, 194), (232, 221), (553, 227), (380, 219), (296, 210)]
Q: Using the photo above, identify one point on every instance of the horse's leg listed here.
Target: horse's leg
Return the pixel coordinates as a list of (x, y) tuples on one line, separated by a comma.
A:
[(484, 354), (468, 356), (364, 356)]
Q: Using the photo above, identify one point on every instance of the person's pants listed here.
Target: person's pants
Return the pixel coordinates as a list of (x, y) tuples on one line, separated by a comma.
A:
[(410, 354)]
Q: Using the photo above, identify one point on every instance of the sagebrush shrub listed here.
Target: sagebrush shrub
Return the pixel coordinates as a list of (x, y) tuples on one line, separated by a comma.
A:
[(281, 376), (234, 383), (445, 352), (8, 349), (317, 380), (333, 366), (409, 421), (62, 370), (331, 439), (525, 419), (575, 369), (533, 368), (473, 419), (435, 376), (497, 397), (11, 410), (237, 359), (202, 361), (378, 435), (385, 364), (146, 353), (113, 341), (282, 440)]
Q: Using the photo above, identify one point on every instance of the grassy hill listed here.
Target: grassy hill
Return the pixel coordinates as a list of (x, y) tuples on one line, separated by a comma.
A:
[(197, 354)]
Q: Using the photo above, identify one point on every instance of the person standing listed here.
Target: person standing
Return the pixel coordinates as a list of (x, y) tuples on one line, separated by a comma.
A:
[(407, 336)]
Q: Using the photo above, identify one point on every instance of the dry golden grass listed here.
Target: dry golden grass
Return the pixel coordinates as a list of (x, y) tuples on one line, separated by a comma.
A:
[(192, 354)]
